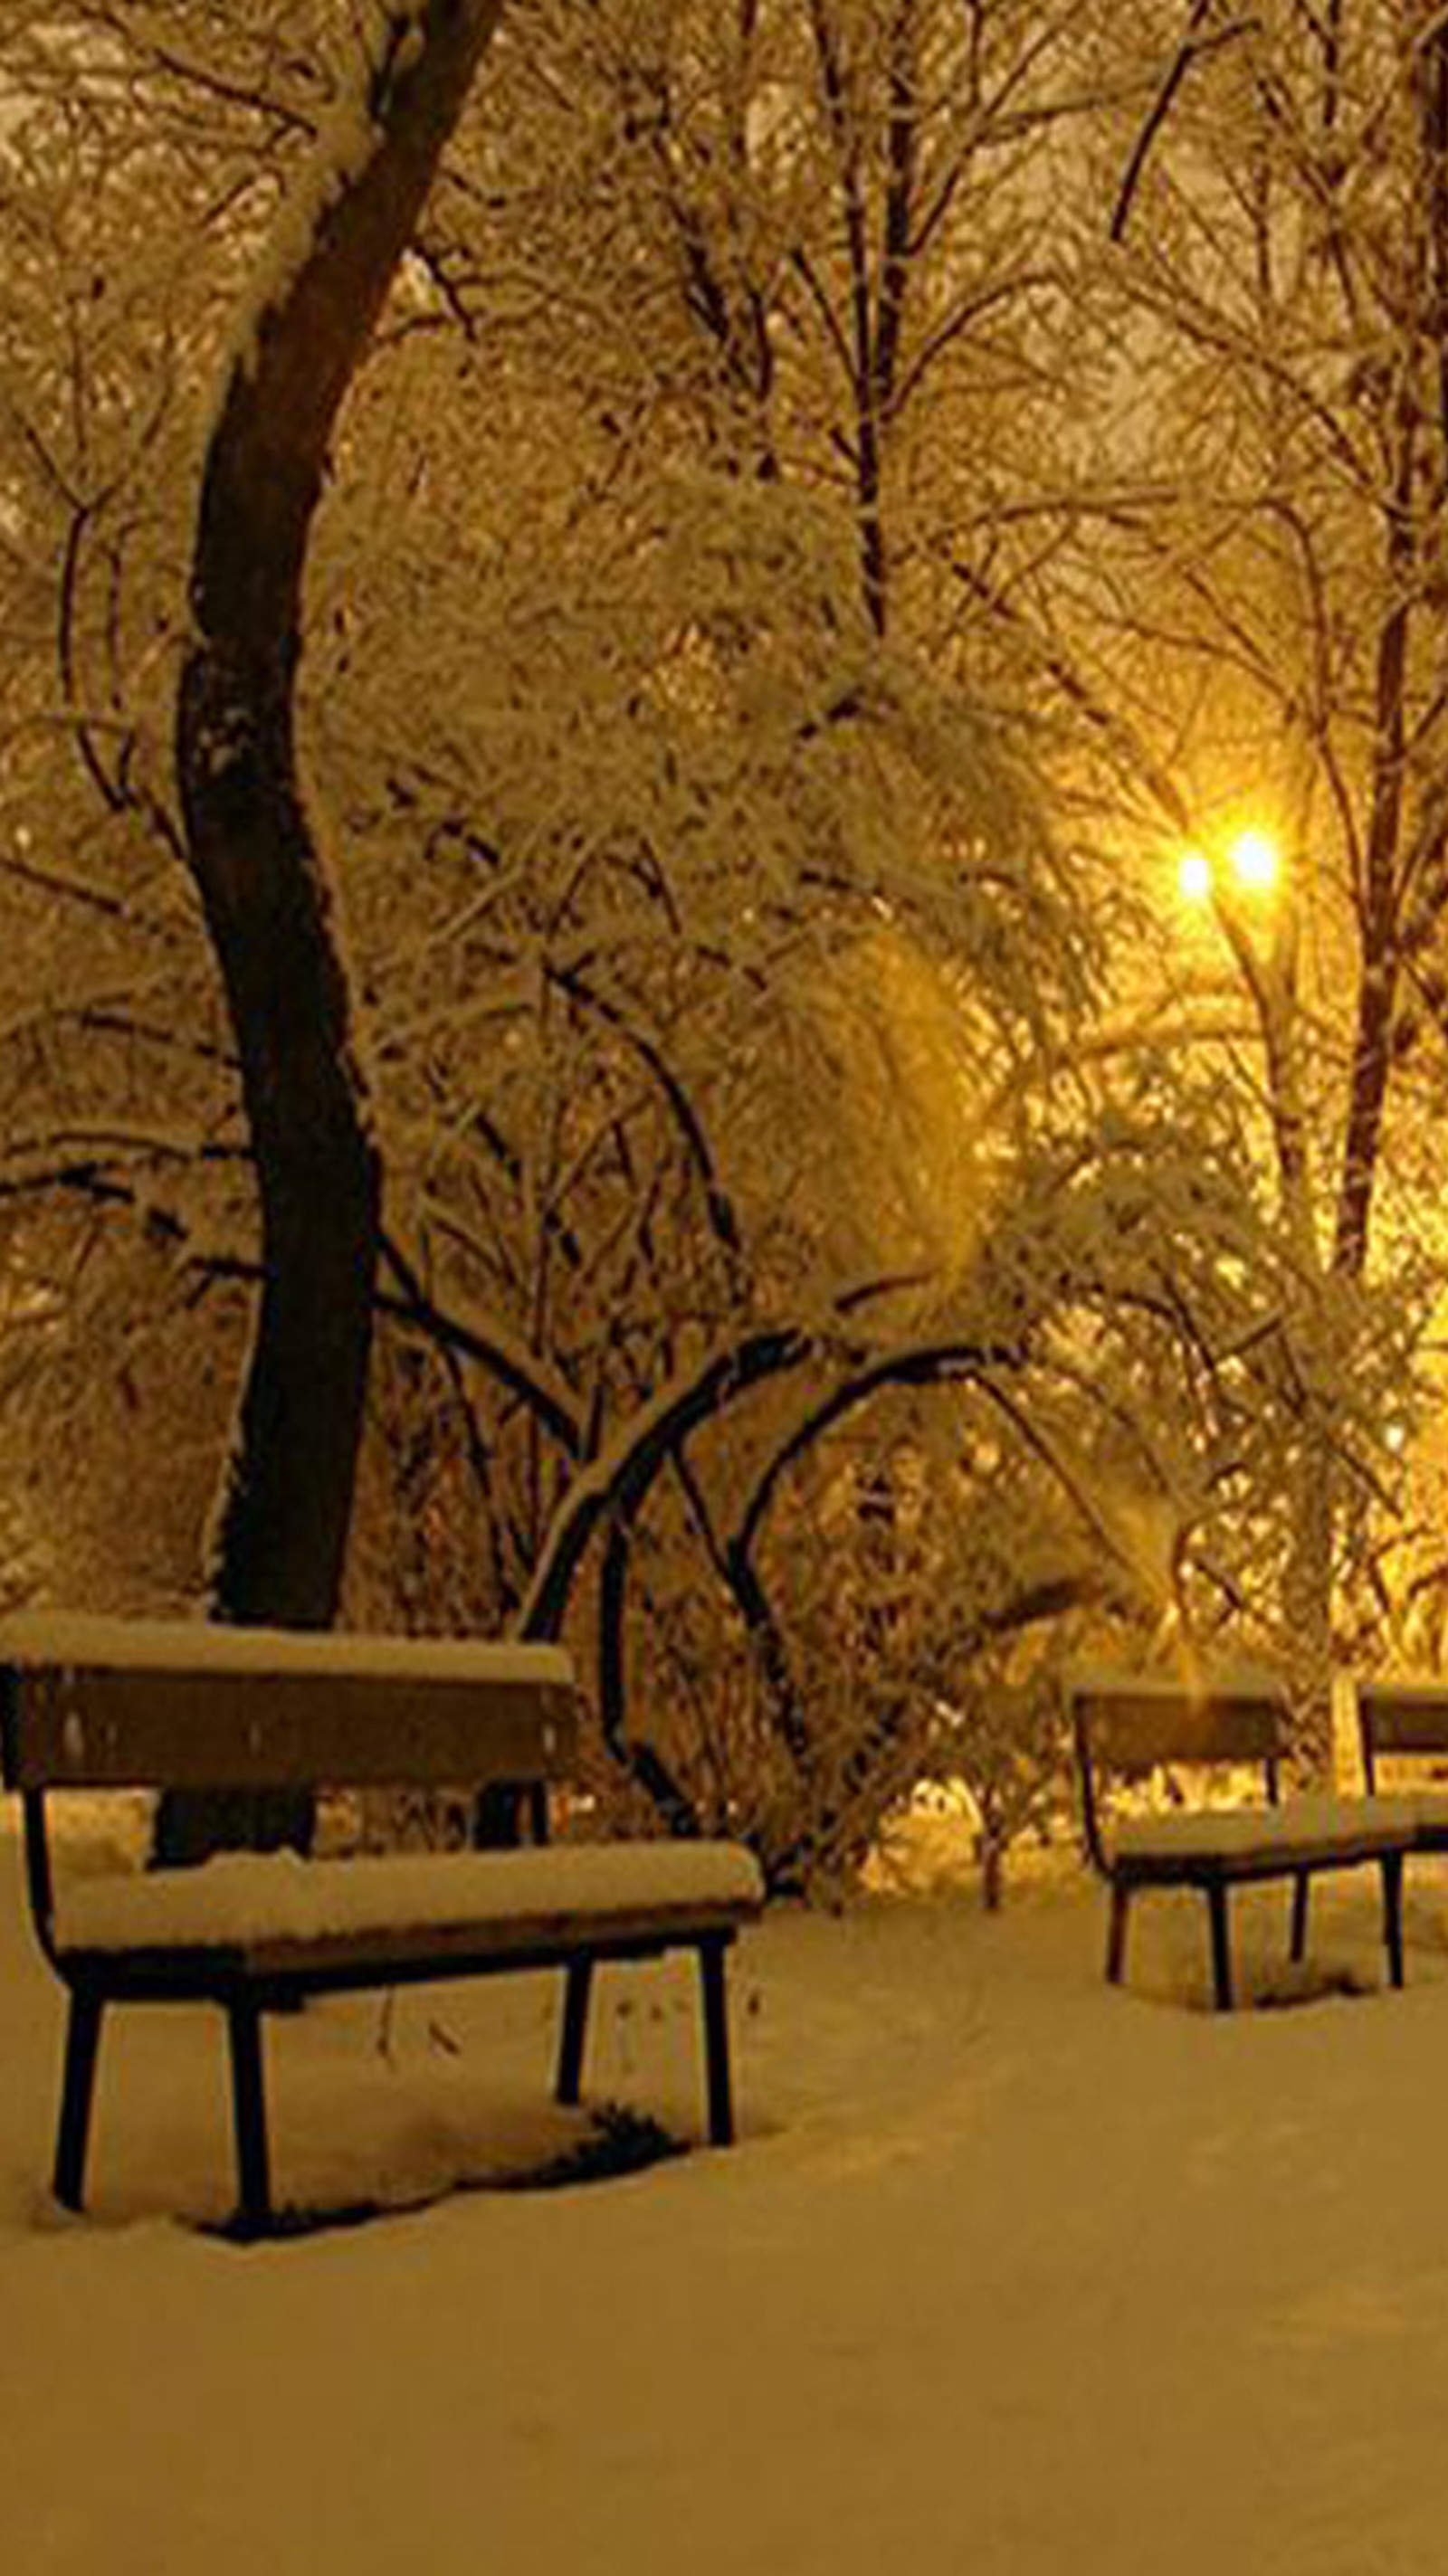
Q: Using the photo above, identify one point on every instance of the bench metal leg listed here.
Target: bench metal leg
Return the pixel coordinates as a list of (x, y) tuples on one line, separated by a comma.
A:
[(578, 1986), (1392, 1867), (1116, 1935), (1300, 1890), (82, 2042), (716, 2040), (1221, 1946), (248, 2099)]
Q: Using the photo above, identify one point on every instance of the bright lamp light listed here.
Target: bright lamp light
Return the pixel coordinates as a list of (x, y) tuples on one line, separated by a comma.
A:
[(1194, 876), (1255, 861)]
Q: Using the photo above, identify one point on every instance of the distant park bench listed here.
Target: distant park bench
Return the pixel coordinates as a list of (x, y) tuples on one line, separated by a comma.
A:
[(110, 1704), (1403, 1729), (1126, 1728)]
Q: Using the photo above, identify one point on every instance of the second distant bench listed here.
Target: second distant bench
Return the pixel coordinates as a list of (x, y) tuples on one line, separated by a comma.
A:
[(1127, 1728)]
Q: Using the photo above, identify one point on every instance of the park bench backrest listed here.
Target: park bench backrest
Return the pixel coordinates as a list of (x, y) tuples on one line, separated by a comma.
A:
[(1402, 1717), (247, 1708), (1126, 1729)]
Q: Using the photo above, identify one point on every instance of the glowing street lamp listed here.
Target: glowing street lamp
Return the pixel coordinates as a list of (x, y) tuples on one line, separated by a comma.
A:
[(1255, 862), (1194, 877), (1245, 869), (1250, 863)]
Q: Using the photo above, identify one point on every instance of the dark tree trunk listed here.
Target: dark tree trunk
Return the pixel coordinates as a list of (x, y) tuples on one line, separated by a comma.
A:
[(287, 1505)]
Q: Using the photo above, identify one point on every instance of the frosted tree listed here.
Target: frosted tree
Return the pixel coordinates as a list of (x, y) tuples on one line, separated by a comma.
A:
[(785, 1275), (818, 241), (730, 980), (140, 166), (246, 832), (1281, 239), (1270, 530), (111, 1044)]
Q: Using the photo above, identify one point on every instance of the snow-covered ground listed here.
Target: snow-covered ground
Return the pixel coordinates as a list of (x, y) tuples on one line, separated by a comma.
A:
[(1008, 2274)]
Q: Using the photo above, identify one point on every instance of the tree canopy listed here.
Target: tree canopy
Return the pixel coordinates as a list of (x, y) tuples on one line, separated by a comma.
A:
[(709, 577)]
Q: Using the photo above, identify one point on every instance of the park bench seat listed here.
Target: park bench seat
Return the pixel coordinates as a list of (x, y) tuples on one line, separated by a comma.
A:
[(271, 1910), (1262, 1839), (104, 1704)]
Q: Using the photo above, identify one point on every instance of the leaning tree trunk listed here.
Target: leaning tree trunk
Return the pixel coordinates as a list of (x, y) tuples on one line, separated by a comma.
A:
[(285, 1512)]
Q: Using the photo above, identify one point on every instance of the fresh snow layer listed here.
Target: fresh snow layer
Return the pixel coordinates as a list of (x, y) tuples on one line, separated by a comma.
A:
[(1010, 2274), (81, 1638), (1313, 1823), (277, 1896)]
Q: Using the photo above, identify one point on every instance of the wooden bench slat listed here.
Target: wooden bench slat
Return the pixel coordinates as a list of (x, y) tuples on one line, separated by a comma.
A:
[(555, 1936), (408, 1951), (1137, 1730), (1402, 1717), (93, 1727)]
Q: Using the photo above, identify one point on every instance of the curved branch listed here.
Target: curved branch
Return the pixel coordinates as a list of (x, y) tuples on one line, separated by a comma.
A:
[(930, 1365), (642, 1761), (1193, 45), (521, 1371), (720, 1206), (614, 1485)]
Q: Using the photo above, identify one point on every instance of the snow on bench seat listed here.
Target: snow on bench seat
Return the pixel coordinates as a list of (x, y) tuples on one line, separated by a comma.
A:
[(1309, 1828), (247, 1899)]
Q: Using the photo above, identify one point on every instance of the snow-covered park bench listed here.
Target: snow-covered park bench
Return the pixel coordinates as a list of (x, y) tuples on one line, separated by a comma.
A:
[(1127, 1727), (1404, 1724), (102, 1704)]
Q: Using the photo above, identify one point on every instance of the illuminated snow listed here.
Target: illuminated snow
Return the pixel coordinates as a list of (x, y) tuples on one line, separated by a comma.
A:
[(276, 1896), (1009, 2272)]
